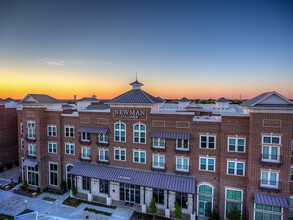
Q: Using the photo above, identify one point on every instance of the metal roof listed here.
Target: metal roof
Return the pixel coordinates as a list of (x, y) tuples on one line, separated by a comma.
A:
[(223, 100), (41, 99), (93, 130), (160, 99), (136, 83), (134, 96), (136, 177), (266, 199), (254, 100), (97, 107), (30, 163), (170, 135), (184, 99)]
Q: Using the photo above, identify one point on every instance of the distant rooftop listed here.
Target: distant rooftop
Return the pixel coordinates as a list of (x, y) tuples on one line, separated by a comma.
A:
[(40, 99), (91, 99), (184, 99), (160, 99), (223, 100), (97, 107)]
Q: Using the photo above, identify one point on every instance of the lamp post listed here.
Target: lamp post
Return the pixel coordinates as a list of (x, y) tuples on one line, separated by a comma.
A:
[(25, 201)]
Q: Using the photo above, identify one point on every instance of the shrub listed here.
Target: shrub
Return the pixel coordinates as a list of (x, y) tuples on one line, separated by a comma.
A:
[(63, 187), (234, 213), (73, 190), (214, 215), (24, 185), (97, 211), (38, 190), (153, 207), (178, 210)]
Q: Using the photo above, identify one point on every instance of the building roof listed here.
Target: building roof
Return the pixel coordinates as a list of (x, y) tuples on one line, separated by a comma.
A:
[(170, 135), (160, 99), (136, 83), (93, 130), (193, 106), (184, 99), (67, 106), (136, 177), (97, 107), (30, 163), (255, 99), (273, 200), (40, 99), (223, 100)]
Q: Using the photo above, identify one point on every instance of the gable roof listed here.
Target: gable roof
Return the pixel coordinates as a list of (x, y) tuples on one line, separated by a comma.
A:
[(184, 99), (160, 99), (40, 99), (223, 100)]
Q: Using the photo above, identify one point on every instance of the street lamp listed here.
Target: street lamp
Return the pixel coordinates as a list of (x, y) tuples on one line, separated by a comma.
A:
[(25, 201)]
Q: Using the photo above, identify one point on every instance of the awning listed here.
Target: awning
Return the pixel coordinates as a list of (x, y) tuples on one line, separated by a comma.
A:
[(136, 177), (93, 130), (30, 163), (170, 135), (266, 199)]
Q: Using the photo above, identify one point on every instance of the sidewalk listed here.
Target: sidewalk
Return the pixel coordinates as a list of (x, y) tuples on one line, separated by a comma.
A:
[(12, 204)]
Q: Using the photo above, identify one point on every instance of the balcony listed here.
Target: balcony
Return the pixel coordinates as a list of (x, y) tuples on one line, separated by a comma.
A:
[(271, 160), (30, 138), (81, 141), (270, 186), (85, 158), (102, 161), (160, 167), (181, 150), (181, 169), (104, 144), (158, 148), (31, 155)]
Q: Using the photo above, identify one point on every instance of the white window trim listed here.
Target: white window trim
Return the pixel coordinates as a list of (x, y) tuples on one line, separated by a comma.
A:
[(235, 167), (270, 212), (87, 148), (208, 135), (21, 143), (103, 149), (120, 149), (139, 133), (104, 137), (207, 160), (203, 194), (182, 145), (271, 136), (21, 128), (36, 172), (158, 155), (159, 140), (51, 131), (269, 179), (51, 142), (119, 130), (270, 153), (31, 128), (69, 126), (181, 169), (139, 157), (53, 172), (69, 148), (229, 200), (32, 145), (86, 134), (236, 144)]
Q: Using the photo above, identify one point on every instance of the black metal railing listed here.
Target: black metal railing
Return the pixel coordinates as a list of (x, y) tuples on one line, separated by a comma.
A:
[(269, 185), (182, 169), (31, 155), (81, 141), (156, 166), (182, 149), (103, 160), (30, 138), (271, 159), (158, 147), (105, 144), (85, 158)]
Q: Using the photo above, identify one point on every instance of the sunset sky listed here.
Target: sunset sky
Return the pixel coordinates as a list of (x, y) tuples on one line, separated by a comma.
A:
[(197, 49)]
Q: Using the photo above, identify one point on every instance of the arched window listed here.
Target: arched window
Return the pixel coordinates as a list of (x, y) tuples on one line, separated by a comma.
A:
[(120, 132), (205, 200), (139, 133)]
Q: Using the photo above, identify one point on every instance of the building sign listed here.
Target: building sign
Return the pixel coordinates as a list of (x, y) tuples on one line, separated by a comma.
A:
[(129, 114), (124, 177)]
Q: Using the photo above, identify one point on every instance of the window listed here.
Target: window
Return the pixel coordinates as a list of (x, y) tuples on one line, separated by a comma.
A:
[(291, 174), (86, 183), (104, 186), (69, 148), (207, 141), (233, 198), (120, 154), (158, 195), (182, 144), (103, 138), (235, 168), (269, 179), (271, 139), (182, 164), (236, 144), (270, 153), (21, 128), (86, 153), (21, 143), (291, 208), (159, 142), (139, 133), (139, 156), (52, 147), (103, 155), (52, 130), (263, 212), (207, 164), (159, 161), (292, 149), (32, 150), (85, 136), (120, 132), (69, 131), (182, 199), (33, 175), (53, 174), (205, 200), (31, 129)]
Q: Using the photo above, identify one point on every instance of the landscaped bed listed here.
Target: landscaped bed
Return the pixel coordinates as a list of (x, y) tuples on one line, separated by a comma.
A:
[(26, 211), (4, 217), (11, 185), (144, 216), (49, 199), (76, 202), (53, 191), (97, 211)]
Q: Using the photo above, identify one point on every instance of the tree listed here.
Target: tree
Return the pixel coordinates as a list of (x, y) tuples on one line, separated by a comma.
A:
[(214, 215), (73, 191), (178, 210), (153, 207), (24, 185), (234, 213)]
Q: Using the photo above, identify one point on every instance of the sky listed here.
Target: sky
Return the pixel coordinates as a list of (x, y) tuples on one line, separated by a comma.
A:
[(196, 49)]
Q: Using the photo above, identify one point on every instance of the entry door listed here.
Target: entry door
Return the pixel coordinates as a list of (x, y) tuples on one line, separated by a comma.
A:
[(129, 195), (204, 206)]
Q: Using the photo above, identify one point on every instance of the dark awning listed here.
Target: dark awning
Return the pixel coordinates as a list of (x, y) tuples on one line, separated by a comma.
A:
[(30, 163), (93, 130), (170, 135), (266, 199), (136, 177)]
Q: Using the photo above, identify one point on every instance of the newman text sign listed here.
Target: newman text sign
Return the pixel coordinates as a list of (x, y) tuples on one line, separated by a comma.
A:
[(129, 114)]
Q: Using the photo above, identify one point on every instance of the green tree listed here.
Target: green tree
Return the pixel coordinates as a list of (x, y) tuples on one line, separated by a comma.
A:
[(153, 207), (234, 213), (178, 210), (214, 215), (24, 185), (73, 191)]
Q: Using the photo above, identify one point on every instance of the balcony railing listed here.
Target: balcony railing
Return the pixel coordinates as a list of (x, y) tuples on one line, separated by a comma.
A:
[(102, 161), (271, 160), (30, 138), (158, 167), (158, 148), (85, 158), (181, 150), (182, 169), (105, 144), (269, 185), (31, 155), (81, 141)]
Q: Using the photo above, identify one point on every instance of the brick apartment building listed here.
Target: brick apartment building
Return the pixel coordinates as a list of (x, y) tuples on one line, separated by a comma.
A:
[(8, 136), (136, 147)]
